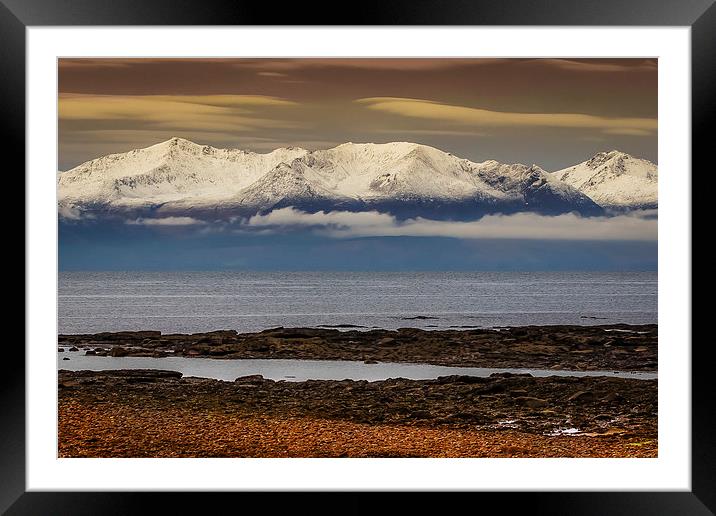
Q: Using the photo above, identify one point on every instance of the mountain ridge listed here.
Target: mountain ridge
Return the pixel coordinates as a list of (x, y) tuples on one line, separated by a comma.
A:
[(615, 180), (407, 179)]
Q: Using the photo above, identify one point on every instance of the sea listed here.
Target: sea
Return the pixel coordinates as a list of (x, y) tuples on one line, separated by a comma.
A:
[(191, 302)]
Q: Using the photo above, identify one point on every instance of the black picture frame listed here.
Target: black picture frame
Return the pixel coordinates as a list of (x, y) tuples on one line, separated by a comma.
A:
[(17, 15)]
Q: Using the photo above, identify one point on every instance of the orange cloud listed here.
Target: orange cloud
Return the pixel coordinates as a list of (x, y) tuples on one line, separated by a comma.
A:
[(195, 112), (462, 115)]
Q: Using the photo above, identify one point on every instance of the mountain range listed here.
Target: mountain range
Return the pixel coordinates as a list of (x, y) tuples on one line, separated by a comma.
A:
[(181, 178)]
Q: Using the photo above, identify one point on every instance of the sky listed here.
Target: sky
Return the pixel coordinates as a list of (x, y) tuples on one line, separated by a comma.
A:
[(551, 112)]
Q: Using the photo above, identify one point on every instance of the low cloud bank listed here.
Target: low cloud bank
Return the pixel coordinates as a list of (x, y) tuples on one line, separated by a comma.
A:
[(342, 224), (633, 226), (167, 221), (69, 212)]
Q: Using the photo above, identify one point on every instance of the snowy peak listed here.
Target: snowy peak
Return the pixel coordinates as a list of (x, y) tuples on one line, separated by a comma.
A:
[(179, 176), (177, 145), (398, 169), (619, 163), (285, 185), (602, 158), (615, 180), (176, 170)]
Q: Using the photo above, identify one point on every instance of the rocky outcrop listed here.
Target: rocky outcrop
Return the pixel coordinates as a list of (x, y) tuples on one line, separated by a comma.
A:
[(622, 347), (534, 405)]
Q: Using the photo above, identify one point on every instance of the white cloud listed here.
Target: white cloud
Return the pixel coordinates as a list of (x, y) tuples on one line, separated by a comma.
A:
[(293, 217), (166, 221), (342, 224), (72, 212), (69, 212)]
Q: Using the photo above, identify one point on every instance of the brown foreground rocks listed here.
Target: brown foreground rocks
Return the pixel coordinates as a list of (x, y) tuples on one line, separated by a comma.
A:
[(147, 413), (621, 346)]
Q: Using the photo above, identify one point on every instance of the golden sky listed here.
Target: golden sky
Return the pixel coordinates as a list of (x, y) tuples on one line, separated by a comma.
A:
[(553, 112)]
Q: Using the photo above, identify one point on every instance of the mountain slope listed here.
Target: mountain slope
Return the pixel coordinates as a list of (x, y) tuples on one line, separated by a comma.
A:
[(179, 177), (615, 180), (175, 171), (288, 185)]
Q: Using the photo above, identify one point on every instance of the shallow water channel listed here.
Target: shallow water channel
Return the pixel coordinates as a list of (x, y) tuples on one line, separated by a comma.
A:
[(301, 370)]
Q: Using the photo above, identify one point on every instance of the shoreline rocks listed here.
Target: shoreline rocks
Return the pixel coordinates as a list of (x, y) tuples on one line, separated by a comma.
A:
[(610, 347), (532, 405)]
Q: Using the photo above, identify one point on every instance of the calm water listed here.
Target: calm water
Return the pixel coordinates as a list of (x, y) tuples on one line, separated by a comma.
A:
[(301, 370), (190, 302)]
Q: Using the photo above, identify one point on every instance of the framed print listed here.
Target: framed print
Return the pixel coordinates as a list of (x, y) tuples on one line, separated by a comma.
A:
[(435, 254)]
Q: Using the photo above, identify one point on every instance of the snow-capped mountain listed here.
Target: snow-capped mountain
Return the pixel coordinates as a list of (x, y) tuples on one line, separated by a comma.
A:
[(176, 171), (178, 177), (615, 180)]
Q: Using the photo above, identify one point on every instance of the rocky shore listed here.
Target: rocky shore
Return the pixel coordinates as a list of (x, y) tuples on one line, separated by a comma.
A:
[(618, 347), (150, 413), (141, 413)]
